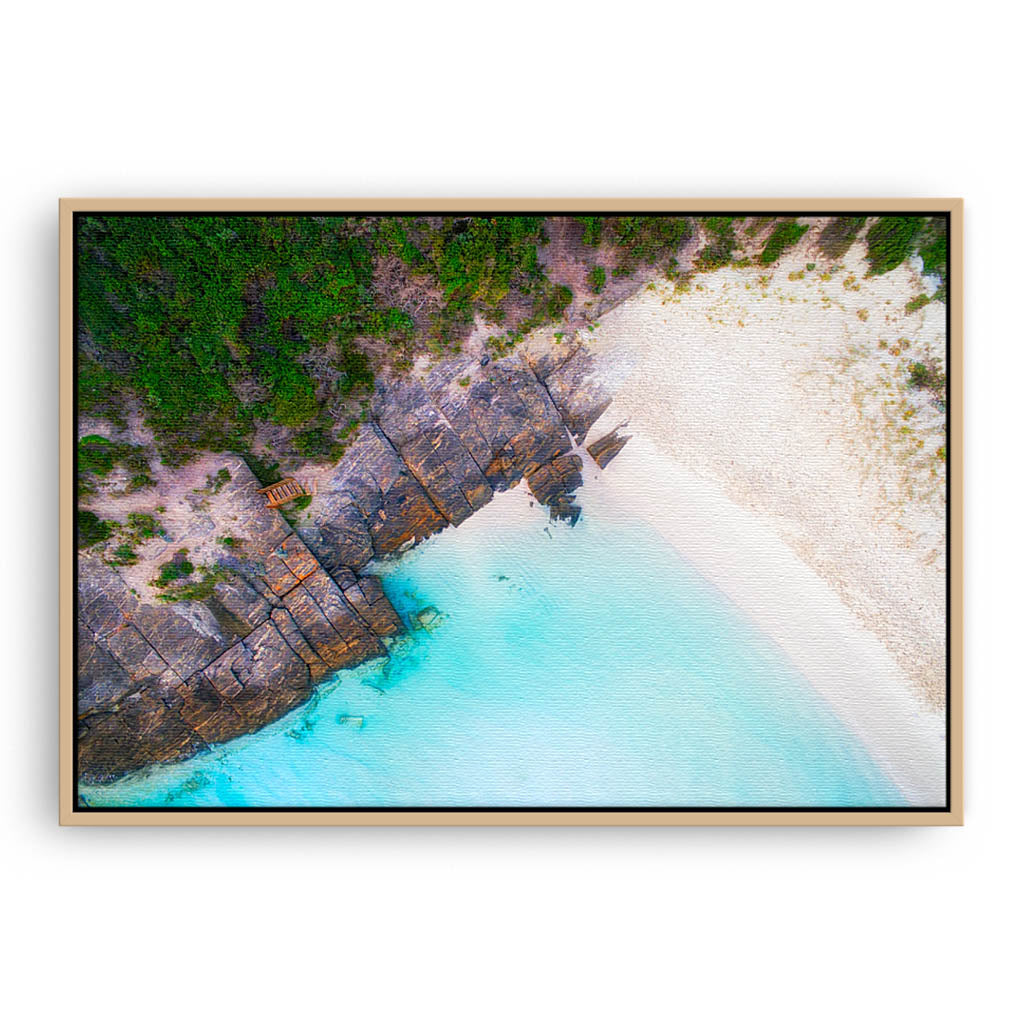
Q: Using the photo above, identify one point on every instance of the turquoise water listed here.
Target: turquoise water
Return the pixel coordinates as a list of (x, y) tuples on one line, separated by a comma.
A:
[(585, 666)]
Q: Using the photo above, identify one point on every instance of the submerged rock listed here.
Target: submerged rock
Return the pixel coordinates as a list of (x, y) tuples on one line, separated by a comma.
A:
[(428, 618)]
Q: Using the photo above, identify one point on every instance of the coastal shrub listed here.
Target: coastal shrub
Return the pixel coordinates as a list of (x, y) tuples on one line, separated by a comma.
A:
[(177, 308), (596, 279), (933, 247), (266, 472), (140, 482), (784, 237), (356, 374), (317, 443), (928, 376), (917, 303), (559, 301), (592, 229), (198, 589), (96, 454), (476, 259), (391, 238), (645, 240), (124, 554), (91, 529), (722, 240), (177, 569), (142, 526), (890, 241)]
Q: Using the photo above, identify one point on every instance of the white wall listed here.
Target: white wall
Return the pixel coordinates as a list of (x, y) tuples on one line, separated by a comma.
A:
[(543, 99)]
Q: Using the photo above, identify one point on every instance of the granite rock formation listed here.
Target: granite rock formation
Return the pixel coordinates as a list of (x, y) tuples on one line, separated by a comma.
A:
[(161, 681)]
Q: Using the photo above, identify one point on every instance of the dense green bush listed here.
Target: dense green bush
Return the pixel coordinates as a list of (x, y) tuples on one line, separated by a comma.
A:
[(91, 529), (784, 237), (592, 230), (558, 301), (890, 242), (180, 309), (596, 280), (933, 246), (721, 242), (177, 569), (928, 377), (645, 241)]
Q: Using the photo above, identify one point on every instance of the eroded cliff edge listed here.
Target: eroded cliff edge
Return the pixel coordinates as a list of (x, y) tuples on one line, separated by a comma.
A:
[(162, 681)]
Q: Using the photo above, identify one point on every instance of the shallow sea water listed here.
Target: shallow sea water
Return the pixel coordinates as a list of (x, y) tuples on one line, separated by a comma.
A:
[(590, 666)]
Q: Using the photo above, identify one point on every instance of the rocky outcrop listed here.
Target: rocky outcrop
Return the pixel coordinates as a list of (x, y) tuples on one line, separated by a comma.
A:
[(371, 506), (554, 485), (604, 449), (159, 682)]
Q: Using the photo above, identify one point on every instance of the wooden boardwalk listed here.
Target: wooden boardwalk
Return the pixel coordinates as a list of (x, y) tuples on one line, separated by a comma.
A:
[(282, 492)]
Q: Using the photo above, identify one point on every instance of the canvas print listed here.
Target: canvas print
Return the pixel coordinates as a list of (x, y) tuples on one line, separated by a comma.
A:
[(511, 510)]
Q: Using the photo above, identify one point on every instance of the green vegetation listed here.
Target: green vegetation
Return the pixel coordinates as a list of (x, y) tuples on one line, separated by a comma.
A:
[(98, 455), (266, 472), (645, 241), (212, 325), (722, 240), (592, 230), (917, 303), (928, 376), (558, 301), (177, 569), (91, 529), (933, 254), (464, 382), (932, 245), (318, 443), (195, 589), (215, 481), (784, 237), (838, 235), (476, 261), (141, 526), (596, 279), (124, 554), (890, 241), (230, 542), (182, 311)]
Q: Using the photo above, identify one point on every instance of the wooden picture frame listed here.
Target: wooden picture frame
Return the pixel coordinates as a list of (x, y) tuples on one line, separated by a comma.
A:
[(949, 814)]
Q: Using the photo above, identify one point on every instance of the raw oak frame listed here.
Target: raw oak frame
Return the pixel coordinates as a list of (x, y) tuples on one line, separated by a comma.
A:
[(952, 814)]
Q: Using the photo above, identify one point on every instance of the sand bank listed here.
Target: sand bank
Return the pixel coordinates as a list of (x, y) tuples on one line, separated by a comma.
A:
[(777, 446)]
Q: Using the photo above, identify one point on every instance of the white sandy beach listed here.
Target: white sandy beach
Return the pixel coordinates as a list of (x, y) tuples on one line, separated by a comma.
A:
[(776, 446)]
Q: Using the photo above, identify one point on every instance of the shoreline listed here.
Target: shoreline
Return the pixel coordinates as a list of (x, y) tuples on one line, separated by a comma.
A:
[(776, 446), (792, 605)]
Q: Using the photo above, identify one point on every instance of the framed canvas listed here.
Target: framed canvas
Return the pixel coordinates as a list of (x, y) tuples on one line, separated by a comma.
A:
[(511, 511)]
